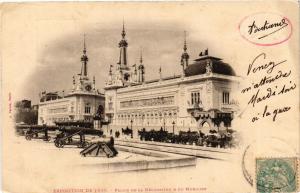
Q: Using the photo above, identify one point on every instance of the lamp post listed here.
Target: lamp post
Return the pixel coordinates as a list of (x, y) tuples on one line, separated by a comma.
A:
[(164, 124), (131, 121), (173, 123)]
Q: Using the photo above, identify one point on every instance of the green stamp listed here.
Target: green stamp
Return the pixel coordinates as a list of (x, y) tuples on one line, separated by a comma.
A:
[(276, 175)]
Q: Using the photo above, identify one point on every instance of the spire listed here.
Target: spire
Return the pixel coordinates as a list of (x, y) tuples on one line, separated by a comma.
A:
[(184, 47), (123, 50), (94, 83), (110, 70), (185, 56), (141, 69), (110, 75), (84, 59), (73, 87), (135, 73), (123, 31), (84, 46), (141, 58), (160, 75)]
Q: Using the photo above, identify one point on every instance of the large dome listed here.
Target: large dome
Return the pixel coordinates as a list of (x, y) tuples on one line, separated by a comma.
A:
[(218, 66)]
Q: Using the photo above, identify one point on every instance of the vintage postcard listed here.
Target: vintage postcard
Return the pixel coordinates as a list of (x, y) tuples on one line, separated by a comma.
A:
[(154, 97)]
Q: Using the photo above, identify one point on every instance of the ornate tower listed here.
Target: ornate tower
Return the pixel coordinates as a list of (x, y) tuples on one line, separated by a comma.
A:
[(141, 69), (84, 59), (123, 74), (123, 51), (185, 56), (83, 83)]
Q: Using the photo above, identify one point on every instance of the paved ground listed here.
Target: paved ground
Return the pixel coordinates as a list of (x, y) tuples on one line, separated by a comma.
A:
[(41, 167)]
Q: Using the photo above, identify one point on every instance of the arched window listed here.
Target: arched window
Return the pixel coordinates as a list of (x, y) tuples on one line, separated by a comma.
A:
[(205, 124)]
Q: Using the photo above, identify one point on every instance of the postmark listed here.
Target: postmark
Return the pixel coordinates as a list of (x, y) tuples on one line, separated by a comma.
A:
[(276, 174), (246, 173), (273, 147)]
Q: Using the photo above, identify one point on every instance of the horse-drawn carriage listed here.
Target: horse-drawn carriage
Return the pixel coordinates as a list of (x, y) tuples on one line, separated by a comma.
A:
[(187, 137), (127, 131), (212, 139), (153, 135), (184, 137)]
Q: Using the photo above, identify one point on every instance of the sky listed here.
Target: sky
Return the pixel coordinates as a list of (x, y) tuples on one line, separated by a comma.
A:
[(59, 60), (59, 45), (44, 43)]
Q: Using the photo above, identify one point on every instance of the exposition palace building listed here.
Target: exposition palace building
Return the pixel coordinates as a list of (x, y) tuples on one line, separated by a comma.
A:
[(200, 98), (81, 104)]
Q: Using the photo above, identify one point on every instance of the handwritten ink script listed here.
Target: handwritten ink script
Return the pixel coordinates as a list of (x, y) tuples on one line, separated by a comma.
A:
[(265, 29), (269, 28), (267, 87)]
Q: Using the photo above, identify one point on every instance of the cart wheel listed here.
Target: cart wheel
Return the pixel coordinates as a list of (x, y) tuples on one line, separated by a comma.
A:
[(59, 144), (28, 137), (47, 139), (56, 143)]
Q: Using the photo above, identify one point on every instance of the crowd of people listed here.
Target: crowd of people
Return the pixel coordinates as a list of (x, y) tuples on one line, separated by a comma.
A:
[(214, 138)]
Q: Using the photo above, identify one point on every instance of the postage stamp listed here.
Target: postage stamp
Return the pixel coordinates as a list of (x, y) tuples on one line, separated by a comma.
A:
[(276, 175)]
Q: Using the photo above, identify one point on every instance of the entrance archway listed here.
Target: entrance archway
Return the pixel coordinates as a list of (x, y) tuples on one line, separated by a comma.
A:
[(205, 127)]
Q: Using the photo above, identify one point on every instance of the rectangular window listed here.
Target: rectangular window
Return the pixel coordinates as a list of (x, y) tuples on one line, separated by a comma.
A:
[(225, 97), (87, 110), (110, 106), (198, 97), (195, 98)]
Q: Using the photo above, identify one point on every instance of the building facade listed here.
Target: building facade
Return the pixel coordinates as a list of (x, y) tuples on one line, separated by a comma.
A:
[(200, 98), (25, 112), (82, 103)]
